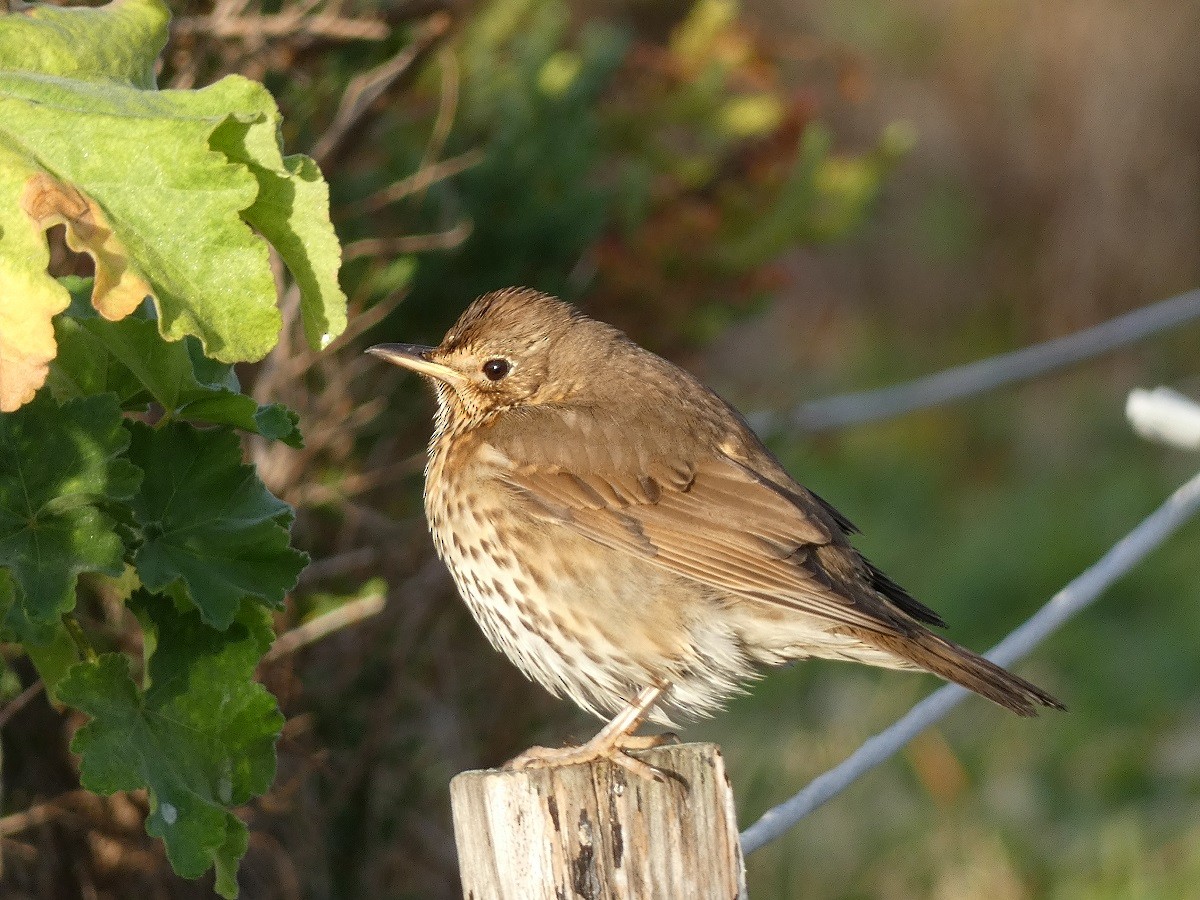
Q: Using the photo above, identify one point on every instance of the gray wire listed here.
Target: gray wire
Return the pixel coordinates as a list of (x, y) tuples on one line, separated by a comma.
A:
[(1077, 595), (985, 374)]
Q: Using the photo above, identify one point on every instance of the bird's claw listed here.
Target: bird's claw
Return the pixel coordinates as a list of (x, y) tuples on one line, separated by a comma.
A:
[(616, 753)]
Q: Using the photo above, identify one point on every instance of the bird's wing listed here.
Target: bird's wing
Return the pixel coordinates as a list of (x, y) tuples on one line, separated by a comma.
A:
[(714, 519)]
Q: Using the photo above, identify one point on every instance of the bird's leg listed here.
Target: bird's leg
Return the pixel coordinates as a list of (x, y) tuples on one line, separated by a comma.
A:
[(611, 742)]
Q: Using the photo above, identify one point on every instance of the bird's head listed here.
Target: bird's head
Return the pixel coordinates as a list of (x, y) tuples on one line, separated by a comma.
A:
[(510, 349)]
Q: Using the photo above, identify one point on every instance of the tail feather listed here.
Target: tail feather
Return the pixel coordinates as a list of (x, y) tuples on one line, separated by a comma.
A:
[(970, 670)]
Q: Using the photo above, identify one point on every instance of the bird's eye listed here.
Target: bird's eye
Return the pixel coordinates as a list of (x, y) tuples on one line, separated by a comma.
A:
[(496, 368)]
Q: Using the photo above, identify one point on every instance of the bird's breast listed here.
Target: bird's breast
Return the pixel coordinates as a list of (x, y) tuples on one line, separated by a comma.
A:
[(584, 620)]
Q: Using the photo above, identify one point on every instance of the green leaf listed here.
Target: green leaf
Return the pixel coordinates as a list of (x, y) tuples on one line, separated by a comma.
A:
[(58, 466), (200, 737), (291, 211), (275, 421), (209, 273), (165, 190), (10, 682), (8, 599), (213, 534), (53, 658), (129, 358), (84, 367), (66, 41)]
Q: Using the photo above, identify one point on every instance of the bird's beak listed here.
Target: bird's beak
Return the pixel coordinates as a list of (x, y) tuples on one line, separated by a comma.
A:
[(416, 358)]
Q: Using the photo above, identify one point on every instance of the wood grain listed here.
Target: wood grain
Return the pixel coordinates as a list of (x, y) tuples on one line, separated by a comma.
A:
[(597, 832)]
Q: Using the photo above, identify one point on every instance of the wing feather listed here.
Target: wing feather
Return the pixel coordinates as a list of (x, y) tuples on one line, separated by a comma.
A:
[(714, 520)]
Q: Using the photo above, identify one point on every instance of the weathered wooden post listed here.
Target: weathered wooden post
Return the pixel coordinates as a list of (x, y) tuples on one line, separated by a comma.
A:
[(598, 832)]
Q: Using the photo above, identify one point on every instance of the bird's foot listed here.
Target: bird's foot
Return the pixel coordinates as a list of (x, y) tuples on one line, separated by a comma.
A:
[(612, 747), (613, 743)]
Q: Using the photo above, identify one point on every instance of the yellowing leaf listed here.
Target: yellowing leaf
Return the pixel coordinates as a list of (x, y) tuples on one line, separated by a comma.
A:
[(118, 288), (28, 297), (26, 340), (177, 195)]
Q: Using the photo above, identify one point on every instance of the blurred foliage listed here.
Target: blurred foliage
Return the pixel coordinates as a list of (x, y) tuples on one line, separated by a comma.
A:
[(512, 142), (658, 183)]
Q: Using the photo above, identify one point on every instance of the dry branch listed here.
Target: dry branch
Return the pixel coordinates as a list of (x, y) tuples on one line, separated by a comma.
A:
[(364, 90), (18, 703), (290, 24), (326, 624), (409, 243)]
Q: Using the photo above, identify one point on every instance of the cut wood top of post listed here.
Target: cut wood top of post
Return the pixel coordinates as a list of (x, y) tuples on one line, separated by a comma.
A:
[(597, 832)]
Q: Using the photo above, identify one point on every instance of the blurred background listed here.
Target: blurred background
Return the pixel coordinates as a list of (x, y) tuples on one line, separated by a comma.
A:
[(793, 199)]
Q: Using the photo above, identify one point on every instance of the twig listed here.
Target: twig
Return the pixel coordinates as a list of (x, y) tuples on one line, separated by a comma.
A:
[(334, 566), (447, 109), (79, 636), (325, 624), (986, 374), (353, 485), (1076, 596), (365, 89), (409, 243), (15, 823), (286, 25), (229, 9), (18, 702), (282, 367), (363, 320), (421, 179)]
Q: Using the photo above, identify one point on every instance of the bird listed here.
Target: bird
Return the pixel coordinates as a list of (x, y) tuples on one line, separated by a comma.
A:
[(620, 533)]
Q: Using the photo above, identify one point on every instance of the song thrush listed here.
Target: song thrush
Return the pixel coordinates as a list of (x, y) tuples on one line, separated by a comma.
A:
[(623, 536)]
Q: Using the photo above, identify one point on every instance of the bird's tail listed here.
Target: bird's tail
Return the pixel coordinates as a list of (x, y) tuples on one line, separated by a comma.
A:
[(948, 660)]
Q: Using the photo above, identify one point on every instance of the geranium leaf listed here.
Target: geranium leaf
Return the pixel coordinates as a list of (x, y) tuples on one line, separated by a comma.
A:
[(200, 737), (59, 466), (212, 532)]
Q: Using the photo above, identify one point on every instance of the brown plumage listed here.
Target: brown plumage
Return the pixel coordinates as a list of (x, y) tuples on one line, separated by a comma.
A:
[(618, 530)]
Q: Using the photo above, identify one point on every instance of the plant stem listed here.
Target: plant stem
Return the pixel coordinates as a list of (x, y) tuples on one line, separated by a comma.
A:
[(79, 637)]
